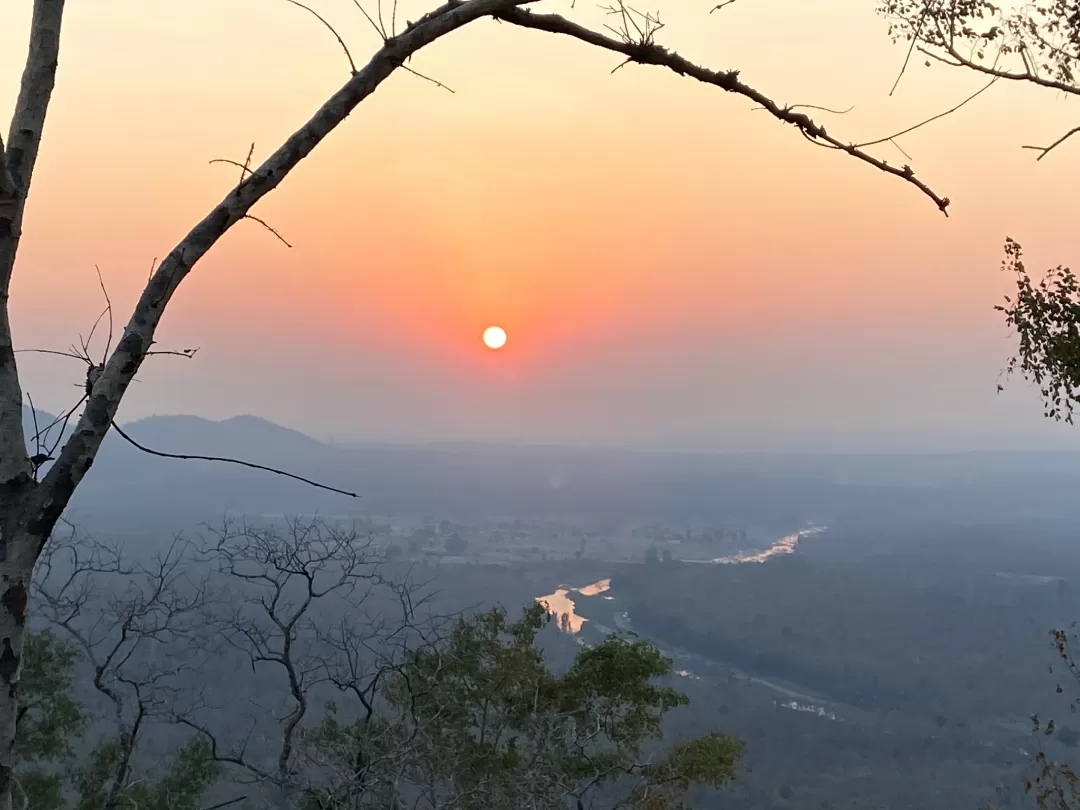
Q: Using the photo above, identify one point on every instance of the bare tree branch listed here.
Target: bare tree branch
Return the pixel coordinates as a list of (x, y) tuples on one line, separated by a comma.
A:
[(1030, 43), (648, 53), (190, 457), (1045, 150), (283, 584), (268, 227), (932, 118), (226, 803), (135, 624), (330, 28)]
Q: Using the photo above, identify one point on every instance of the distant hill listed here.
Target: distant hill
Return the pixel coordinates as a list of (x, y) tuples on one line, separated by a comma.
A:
[(238, 435), (477, 481)]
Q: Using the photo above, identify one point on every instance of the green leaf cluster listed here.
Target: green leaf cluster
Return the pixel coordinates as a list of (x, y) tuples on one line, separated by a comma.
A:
[(480, 721), (52, 725)]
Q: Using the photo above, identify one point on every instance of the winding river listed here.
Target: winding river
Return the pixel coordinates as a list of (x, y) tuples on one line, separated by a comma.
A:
[(561, 604)]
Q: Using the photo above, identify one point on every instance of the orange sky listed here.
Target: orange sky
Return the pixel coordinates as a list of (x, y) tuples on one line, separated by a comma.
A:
[(673, 268)]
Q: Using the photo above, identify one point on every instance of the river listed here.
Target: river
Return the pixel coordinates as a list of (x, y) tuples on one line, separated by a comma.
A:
[(562, 606)]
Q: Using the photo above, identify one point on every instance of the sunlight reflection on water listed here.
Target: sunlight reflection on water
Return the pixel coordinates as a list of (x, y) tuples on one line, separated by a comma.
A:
[(562, 606)]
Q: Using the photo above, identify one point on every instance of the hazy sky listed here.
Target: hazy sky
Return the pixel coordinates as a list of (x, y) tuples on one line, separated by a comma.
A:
[(673, 268)]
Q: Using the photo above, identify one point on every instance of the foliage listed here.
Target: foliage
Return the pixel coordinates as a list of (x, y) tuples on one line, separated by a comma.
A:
[(49, 718), (49, 721), (480, 721), (190, 773), (1046, 318), (1054, 785), (53, 722), (1037, 41)]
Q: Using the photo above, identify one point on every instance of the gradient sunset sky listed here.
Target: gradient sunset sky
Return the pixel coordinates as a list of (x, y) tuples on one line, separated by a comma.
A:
[(673, 268)]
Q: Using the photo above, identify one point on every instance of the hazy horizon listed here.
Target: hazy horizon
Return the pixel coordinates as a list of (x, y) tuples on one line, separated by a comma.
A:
[(1057, 437), (674, 270)]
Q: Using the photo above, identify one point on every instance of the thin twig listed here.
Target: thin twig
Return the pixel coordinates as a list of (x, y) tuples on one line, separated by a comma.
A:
[(808, 107), (236, 163), (254, 218), (330, 28), (72, 355), (367, 16), (818, 107), (227, 803), (184, 456), (1045, 150), (37, 460), (63, 422), (932, 118), (911, 48), (188, 353), (108, 308), (722, 5), (435, 82), (245, 167), (899, 149)]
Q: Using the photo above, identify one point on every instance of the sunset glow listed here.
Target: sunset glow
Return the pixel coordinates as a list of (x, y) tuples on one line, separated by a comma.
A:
[(494, 337), (737, 264)]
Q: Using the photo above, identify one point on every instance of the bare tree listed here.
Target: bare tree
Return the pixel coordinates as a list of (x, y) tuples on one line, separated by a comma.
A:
[(311, 608), (137, 626), (30, 508)]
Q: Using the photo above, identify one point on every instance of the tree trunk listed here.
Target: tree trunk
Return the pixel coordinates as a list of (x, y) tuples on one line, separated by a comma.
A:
[(15, 573)]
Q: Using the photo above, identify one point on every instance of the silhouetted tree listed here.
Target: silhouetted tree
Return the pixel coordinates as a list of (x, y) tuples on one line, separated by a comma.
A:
[(1037, 44)]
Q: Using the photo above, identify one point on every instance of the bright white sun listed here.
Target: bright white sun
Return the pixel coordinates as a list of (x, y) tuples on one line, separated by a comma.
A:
[(494, 337)]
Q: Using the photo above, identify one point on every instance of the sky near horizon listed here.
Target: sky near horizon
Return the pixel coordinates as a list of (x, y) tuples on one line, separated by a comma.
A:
[(673, 268)]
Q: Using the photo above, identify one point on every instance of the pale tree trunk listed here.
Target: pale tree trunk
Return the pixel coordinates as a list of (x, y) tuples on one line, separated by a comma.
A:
[(21, 536)]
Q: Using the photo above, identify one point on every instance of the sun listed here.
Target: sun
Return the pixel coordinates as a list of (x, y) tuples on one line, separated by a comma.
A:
[(494, 337)]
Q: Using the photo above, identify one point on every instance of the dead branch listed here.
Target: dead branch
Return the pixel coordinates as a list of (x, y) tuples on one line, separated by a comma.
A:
[(932, 118), (281, 582), (379, 29), (251, 465), (331, 29), (186, 353), (911, 48), (226, 803), (1045, 150), (818, 107), (122, 626), (648, 53), (272, 230), (426, 78), (245, 170)]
